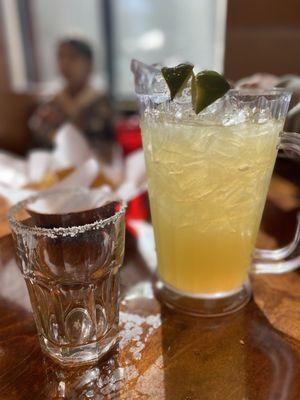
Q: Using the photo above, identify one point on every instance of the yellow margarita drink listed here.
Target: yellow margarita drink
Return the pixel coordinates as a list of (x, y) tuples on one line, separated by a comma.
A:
[(208, 185)]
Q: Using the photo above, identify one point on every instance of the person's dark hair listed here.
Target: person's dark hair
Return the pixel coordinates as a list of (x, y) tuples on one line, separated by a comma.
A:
[(82, 47)]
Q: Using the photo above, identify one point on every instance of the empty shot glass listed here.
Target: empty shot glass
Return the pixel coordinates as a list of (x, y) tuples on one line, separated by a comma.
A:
[(70, 250)]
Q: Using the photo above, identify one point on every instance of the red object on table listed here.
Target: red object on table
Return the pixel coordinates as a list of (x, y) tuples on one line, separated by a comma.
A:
[(138, 209), (130, 139), (129, 134)]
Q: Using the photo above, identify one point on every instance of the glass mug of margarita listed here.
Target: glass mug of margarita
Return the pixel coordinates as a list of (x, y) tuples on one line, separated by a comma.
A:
[(208, 176)]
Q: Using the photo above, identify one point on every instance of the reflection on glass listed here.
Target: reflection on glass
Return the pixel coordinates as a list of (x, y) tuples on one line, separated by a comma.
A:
[(85, 382)]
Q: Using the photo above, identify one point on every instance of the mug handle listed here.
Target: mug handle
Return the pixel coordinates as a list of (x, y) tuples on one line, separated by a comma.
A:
[(286, 258)]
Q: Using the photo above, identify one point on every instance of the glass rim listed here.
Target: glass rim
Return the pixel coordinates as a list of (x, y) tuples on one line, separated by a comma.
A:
[(59, 231), (245, 91), (238, 92)]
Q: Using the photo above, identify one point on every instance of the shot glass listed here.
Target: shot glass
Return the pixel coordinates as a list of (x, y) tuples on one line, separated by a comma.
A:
[(70, 261)]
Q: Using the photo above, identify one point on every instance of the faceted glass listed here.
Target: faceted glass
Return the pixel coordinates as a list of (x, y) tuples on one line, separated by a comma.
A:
[(70, 262), (208, 180)]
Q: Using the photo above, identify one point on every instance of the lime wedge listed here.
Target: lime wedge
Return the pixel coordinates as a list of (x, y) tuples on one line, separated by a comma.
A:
[(207, 87), (177, 77)]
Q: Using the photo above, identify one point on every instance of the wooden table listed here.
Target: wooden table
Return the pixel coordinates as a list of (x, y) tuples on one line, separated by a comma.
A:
[(161, 354)]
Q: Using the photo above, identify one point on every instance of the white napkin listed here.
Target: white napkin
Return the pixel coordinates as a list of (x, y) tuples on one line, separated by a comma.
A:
[(13, 170), (67, 202), (14, 195), (135, 181), (71, 148), (38, 164), (135, 169), (83, 176)]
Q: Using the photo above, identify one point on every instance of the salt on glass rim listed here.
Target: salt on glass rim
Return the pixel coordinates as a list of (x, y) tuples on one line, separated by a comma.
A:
[(54, 232)]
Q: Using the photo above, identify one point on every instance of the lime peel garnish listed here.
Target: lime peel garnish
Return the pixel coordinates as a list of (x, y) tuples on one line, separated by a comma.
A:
[(177, 77), (206, 87)]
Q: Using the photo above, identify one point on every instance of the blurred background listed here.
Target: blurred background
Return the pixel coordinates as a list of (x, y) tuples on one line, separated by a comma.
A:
[(66, 60)]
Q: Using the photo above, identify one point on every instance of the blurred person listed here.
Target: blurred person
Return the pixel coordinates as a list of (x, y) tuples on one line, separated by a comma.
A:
[(78, 102)]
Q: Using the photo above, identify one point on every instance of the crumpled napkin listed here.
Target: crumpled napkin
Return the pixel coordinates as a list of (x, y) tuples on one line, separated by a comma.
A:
[(71, 148), (71, 151), (69, 202)]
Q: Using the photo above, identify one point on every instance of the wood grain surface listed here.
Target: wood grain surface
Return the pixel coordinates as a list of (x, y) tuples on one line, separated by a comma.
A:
[(251, 355)]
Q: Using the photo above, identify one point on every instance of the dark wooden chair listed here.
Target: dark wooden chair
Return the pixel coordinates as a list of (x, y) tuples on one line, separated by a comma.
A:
[(15, 109)]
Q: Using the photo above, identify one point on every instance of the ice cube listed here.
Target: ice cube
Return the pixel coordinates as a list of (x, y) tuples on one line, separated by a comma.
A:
[(185, 96), (234, 117), (263, 113), (159, 88), (143, 76), (159, 84)]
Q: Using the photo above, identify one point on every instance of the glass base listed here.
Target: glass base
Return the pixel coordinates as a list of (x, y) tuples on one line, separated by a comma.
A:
[(203, 305), (88, 353)]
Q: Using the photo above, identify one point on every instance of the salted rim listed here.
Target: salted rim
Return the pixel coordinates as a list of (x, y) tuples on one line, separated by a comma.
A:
[(53, 232)]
